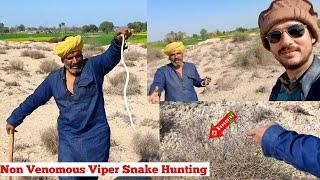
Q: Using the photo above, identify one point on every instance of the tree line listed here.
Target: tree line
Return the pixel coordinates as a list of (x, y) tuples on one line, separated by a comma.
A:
[(104, 26)]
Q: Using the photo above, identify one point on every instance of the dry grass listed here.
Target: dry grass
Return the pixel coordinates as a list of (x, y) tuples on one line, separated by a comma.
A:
[(117, 84), (253, 57), (33, 54), (16, 65), (21, 158), (21, 147), (50, 139), (147, 146), (234, 156), (153, 55), (92, 50), (226, 83), (241, 37), (132, 55), (44, 48), (48, 66), (12, 83), (261, 89)]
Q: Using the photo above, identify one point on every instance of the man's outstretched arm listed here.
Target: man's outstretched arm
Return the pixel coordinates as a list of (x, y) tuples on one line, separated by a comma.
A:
[(301, 151), (39, 97)]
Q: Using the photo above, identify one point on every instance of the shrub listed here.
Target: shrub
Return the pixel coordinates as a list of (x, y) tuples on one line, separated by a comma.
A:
[(91, 50), (153, 55), (33, 54), (48, 66), (241, 37), (253, 57), (50, 139), (16, 65), (147, 146), (117, 84), (12, 83), (20, 158), (132, 55)]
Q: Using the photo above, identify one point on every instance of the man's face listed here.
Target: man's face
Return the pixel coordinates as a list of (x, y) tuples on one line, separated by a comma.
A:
[(292, 52), (74, 62), (176, 58)]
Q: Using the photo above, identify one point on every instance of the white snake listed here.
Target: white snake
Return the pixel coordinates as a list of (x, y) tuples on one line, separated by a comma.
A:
[(126, 84)]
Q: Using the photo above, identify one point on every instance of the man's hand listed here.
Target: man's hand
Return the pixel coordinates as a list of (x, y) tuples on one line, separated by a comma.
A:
[(259, 132), (207, 80), (10, 129), (125, 31), (154, 97)]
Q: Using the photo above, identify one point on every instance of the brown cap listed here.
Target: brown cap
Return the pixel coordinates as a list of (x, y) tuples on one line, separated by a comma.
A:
[(285, 10)]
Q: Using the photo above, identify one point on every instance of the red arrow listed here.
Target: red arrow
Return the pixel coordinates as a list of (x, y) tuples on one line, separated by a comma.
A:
[(224, 123)]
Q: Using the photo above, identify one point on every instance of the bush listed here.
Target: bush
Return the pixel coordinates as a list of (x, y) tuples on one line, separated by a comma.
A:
[(17, 65), (50, 139), (12, 83), (48, 66), (241, 37), (153, 55), (132, 55), (147, 146), (253, 57), (117, 84), (33, 54), (91, 50)]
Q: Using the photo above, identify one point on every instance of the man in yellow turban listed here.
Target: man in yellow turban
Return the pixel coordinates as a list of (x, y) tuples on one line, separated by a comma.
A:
[(84, 133), (177, 78)]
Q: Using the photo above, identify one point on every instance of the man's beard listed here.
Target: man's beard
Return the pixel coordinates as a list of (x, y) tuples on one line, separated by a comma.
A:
[(177, 63), (75, 72)]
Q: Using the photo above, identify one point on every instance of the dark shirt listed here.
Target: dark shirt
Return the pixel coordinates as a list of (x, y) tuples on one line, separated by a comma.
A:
[(177, 87), (306, 88), (301, 151)]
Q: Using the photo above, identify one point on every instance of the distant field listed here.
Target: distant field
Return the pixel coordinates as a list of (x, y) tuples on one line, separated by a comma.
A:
[(158, 45), (89, 38)]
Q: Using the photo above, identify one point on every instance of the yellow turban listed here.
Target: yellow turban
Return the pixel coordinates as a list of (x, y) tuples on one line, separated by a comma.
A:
[(174, 46), (70, 44)]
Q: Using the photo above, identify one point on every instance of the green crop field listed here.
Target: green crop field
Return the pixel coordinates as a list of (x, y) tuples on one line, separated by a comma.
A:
[(98, 38)]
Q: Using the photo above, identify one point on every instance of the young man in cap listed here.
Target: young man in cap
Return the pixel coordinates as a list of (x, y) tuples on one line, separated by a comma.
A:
[(177, 78), (84, 133), (288, 29)]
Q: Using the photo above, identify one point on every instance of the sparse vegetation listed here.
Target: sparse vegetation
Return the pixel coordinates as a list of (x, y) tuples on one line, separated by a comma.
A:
[(147, 146), (261, 89), (241, 37), (92, 50), (21, 158), (48, 66), (117, 84), (153, 55), (33, 54), (12, 83), (50, 139), (189, 142), (132, 55), (17, 65), (254, 56)]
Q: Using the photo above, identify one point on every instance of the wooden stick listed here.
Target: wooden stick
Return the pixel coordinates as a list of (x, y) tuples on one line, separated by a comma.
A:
[(11, 146)]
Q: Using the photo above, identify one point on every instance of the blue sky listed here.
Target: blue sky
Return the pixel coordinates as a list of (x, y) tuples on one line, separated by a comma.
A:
[(191, 16), (73, 12)]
